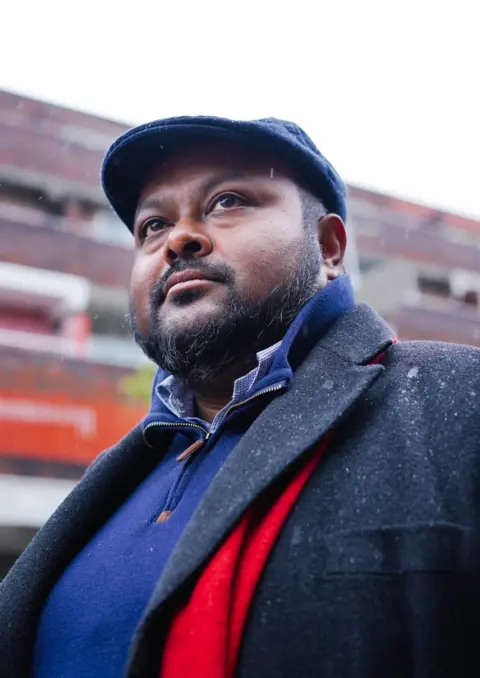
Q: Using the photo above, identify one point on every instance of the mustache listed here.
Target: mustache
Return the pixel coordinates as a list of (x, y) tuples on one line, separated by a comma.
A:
[(218, 272)]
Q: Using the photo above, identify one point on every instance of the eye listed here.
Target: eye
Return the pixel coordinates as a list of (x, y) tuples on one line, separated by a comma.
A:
[(227, 201), (151, 226)]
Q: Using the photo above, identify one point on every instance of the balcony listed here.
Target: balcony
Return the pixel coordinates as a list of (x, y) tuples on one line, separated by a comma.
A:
[(27, 502), (376, 236), (50, 312), (52, 148), (437, 320), (31, 238), (113, 351), (58, 410)]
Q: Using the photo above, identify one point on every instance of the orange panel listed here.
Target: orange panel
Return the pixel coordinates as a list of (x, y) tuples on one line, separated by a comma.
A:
[(56, 428)]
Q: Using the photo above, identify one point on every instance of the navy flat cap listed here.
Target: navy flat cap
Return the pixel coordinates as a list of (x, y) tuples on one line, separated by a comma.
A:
[(133, 155)]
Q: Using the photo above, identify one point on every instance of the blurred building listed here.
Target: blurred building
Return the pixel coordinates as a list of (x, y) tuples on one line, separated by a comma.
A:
[(64, 268)]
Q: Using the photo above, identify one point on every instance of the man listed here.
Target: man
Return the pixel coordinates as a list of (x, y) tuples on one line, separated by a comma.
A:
[(303, 497)]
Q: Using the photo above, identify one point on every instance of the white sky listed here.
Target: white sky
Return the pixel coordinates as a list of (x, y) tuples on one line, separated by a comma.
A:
[(389, 91)]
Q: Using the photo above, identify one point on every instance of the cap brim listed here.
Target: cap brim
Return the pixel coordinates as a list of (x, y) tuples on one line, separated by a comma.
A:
[(133, 156)]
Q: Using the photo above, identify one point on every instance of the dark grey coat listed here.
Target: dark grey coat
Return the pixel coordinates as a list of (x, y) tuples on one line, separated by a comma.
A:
[(376, 572)]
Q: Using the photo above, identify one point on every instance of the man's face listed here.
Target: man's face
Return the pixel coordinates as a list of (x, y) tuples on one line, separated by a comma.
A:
[(223, 261)]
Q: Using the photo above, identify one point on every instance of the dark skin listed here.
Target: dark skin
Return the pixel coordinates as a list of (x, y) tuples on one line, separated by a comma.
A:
[(229, 205)]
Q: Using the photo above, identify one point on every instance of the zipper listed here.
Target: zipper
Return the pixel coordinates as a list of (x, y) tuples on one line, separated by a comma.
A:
[(198, 444), (270, 389), (195, 446), (183, 424), (191, 449)]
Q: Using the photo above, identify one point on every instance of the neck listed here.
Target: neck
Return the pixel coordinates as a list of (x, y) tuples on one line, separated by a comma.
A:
[(214, 394), (208, 408)]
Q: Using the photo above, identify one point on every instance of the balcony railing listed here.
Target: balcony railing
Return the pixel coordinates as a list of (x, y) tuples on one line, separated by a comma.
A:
[(104, 226), (57, 244), (437, 319), (380, 238), (96, 349)]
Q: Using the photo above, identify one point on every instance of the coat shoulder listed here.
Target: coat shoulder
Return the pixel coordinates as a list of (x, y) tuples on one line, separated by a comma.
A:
[(445, 377), (438, 358)]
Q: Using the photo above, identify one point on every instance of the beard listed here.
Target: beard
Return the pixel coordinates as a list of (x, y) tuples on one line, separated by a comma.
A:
[(230, 339)]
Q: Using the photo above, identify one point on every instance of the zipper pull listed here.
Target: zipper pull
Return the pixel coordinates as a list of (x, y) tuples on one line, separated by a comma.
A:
[(191, 449)]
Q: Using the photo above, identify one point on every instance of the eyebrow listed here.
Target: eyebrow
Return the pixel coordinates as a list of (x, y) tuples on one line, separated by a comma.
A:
[(213, 182), (156, 202)]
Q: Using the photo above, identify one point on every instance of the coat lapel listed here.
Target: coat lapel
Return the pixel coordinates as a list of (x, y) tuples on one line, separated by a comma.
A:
[(104, 487), (325, 386)]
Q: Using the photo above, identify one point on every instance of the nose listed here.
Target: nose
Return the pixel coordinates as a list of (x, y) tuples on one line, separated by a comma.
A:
[(187, 240)]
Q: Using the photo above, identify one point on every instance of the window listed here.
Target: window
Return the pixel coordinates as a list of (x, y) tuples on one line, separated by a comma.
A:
[(436, 286), (107, 227)]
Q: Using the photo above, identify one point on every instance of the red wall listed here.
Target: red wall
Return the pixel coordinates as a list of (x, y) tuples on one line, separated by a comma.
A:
[(61, 410)]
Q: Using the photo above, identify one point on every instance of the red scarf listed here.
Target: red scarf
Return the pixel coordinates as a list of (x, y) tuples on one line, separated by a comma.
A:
[(204, 638)]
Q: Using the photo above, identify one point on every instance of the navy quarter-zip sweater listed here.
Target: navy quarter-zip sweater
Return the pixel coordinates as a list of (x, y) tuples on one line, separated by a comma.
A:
[(91, 614)]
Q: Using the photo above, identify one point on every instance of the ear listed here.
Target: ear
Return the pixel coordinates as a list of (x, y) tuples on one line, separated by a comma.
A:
[(332, 236)]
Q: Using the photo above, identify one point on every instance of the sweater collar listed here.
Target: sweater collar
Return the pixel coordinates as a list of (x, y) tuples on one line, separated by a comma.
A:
[(310, 324)]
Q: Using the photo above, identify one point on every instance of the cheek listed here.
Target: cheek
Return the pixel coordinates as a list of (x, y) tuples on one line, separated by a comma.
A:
[(265, 259), (141, 282)]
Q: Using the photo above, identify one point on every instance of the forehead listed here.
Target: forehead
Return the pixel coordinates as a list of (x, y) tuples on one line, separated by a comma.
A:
[(201, 159)]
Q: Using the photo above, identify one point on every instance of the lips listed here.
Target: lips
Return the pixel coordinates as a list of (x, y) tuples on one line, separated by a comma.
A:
[(185, 276)]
